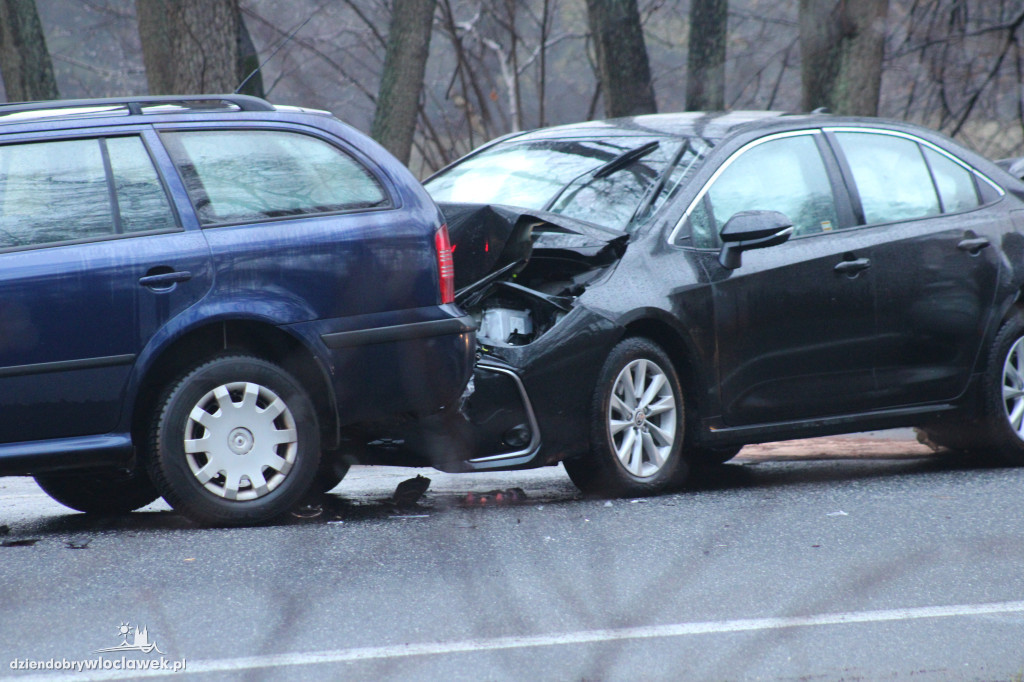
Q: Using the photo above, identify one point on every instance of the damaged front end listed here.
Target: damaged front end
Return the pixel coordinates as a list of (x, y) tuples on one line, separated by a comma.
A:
[(521, 276)]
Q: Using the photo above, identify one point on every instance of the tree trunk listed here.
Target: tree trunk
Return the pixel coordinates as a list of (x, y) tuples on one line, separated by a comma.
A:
[(189, 46), (622, 64), (401, 82), (24, 59), (705, 82), (842, 43)]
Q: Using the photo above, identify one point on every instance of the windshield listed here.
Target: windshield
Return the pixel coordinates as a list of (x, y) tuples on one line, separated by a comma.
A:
[(614, 182)]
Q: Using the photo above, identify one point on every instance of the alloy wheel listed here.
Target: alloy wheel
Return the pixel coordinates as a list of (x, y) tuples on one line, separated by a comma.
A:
[(1013, 387), (642, 417)]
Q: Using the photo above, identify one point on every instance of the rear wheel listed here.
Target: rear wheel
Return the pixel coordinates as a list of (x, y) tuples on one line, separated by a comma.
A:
[(1003, 386), (998, 429), (100, 493), (637, 425), (234, 442)]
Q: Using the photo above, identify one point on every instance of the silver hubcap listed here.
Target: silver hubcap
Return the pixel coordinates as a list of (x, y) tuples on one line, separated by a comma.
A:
[(240, 441), (1013, 387), (642, 418)]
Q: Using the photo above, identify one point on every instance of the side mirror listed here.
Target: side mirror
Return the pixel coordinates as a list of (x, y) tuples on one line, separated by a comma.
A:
[(752, 230)]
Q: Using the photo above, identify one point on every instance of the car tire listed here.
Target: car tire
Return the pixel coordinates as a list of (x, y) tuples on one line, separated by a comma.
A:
[(235, 441), (635, 440), (100, 493), (1003, 394), (331, 472), (712, 456)]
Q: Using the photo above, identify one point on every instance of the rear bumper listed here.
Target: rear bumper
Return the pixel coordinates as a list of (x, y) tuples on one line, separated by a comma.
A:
[(416, 367)]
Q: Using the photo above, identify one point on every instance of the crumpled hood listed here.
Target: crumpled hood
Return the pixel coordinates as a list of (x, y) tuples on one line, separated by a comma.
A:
[(487, 237)]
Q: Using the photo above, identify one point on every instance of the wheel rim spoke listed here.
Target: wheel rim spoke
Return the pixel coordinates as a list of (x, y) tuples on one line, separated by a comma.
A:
[(662, 406), (658, 382), (617, 425), (639, 380), (654, 453), (636, 457), (625, 449)]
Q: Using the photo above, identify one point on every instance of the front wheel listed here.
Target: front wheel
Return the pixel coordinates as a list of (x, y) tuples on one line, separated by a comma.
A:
[(637, 425), (234, 442)]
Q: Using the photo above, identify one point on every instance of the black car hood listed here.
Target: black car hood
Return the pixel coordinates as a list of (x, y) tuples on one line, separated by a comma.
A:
[(488, 237)]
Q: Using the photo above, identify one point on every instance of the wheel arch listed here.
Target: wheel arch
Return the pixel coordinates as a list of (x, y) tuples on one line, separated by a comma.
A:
[(680, 350), (254, 337)]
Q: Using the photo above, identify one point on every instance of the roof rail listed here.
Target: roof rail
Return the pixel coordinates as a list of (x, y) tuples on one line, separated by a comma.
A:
[(135, 104)]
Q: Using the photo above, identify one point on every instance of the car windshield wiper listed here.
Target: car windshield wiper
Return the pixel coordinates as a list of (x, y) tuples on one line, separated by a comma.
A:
[(617, 163)]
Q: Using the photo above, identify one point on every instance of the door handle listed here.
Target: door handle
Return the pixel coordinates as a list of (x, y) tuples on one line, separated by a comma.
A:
[(165, 279), (852, 267), (973, 246)]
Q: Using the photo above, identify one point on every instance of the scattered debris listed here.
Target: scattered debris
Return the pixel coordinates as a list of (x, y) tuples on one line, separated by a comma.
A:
[(191, 558), (308, 511), (837, 513), (409, 491), (71, 544), (27, 542), (494, 497)]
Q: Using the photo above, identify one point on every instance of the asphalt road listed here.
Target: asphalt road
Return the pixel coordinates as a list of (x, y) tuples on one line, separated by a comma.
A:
[(834, 560)]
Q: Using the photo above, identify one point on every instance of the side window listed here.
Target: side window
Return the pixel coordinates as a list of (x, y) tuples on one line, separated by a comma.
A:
[(786, 175), (241, 175), (53, 192), (956, 184), (141, 200), (891, 177)]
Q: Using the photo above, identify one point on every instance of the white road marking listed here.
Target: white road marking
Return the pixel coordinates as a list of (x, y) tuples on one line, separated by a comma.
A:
[(528, 641)]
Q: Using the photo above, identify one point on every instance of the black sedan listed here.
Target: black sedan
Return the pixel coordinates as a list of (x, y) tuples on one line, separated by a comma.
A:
[(658, 291)]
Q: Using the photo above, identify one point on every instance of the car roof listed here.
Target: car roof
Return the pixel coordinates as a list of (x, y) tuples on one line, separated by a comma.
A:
[(15, 116), (709, 125)]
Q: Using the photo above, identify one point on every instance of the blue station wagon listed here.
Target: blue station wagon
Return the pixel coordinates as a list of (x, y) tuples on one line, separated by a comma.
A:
[(199, 295)]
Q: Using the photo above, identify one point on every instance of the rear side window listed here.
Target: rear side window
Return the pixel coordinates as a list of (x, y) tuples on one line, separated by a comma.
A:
[(891, 177), (53, 192), (954, 182), (245, 175)]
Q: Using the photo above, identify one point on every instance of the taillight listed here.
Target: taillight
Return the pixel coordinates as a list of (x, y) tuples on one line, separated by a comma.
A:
[(445, 265)]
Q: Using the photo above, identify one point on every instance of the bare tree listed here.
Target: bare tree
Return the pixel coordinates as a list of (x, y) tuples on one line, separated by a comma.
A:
[(401, 82), (24, 58), (623, 67), (705, 80), (189, 46), (842, 43)]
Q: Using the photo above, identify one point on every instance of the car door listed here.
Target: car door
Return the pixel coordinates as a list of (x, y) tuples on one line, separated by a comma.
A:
[(936, 264), (92, 261), (794, 323)]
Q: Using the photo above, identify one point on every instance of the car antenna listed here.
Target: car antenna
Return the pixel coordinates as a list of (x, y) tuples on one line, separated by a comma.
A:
[(276, 50)]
